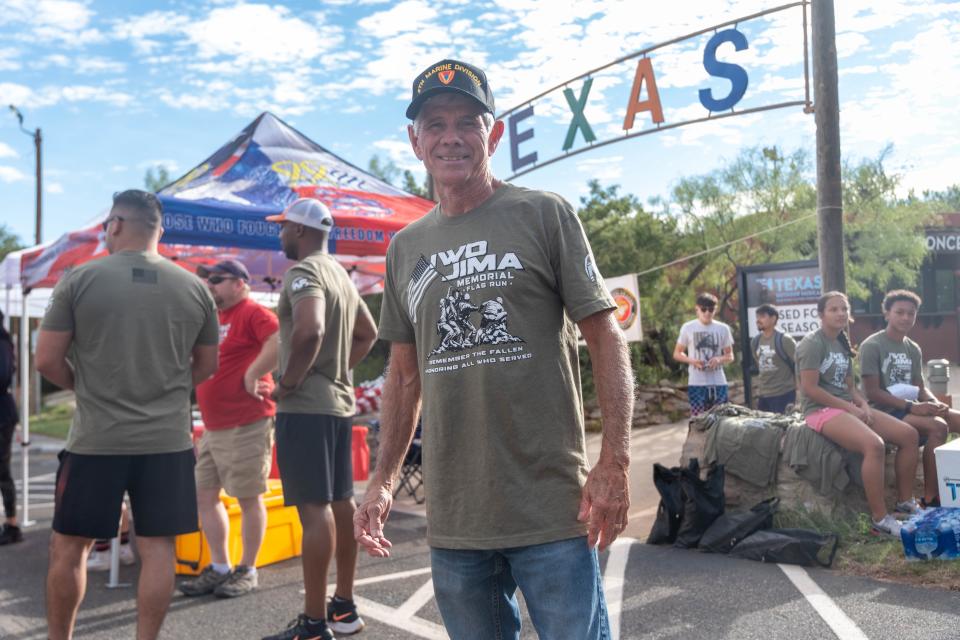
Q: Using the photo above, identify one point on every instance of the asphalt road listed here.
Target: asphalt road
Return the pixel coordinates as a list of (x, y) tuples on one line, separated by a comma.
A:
[(653, 592)]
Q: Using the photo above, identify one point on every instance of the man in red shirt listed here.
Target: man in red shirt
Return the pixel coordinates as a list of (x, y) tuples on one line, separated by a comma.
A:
[(235, 450)]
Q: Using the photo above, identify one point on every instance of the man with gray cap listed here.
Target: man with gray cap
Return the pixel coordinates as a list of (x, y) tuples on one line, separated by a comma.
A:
[(325, 330), (235, 450), (131, 333), (510, 500)]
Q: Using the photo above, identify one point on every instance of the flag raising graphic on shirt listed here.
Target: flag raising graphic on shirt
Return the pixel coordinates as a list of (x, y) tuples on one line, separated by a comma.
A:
[(423, 274)]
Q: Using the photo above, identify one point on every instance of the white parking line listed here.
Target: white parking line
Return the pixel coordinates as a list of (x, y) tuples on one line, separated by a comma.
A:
[(414, 603), (417, 626), (613, 579), (836, 619)]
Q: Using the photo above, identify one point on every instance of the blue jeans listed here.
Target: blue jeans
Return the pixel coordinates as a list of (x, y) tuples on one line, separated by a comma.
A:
[(476, 591)]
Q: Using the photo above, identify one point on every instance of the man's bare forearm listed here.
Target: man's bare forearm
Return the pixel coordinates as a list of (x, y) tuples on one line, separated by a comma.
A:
[(613, 378), (59, 374), (398, 421)]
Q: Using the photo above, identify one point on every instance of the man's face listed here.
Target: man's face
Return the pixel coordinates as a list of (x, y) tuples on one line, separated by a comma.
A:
[(705, 314), (765, 321), (452, 140), (288, 239), (902, 316), (226, 289)]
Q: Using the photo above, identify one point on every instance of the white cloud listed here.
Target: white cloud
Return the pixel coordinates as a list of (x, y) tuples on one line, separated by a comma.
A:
[(142, 31), (81, 64), (6, 151), (63, 21), (400, 153), (22, 96), (8, 59), (605, 169), (259, 34), (11, 174), (53, 187)]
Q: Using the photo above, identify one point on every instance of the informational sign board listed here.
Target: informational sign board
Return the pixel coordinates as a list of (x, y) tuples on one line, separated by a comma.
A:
[(627, 296), (792, 287)]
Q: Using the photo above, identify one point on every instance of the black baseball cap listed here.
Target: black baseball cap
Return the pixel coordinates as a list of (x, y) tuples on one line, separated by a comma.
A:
[(450, 75), (228, 267)]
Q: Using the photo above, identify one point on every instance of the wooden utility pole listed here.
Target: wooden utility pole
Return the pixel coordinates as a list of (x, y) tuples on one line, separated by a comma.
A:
[(827, 117)]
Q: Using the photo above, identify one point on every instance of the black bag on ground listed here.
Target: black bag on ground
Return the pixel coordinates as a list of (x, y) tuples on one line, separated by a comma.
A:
[(730, 528), (789, 546), (670, 511), (703, 502)]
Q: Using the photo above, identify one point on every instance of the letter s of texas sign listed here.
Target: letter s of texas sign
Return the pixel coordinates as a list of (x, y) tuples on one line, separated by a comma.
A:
[(645, 97)]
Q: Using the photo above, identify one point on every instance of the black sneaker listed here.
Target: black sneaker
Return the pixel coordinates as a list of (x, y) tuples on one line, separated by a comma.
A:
[(342, 616), (304, 629), (10, 534)]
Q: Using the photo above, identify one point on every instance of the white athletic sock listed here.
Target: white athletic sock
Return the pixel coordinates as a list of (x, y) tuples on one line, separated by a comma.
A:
[(220, 568)]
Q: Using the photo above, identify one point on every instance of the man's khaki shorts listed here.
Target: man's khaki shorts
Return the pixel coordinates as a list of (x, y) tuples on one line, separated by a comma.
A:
[(236, 459)]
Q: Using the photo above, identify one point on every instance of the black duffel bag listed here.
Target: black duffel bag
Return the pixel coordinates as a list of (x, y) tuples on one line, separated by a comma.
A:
[(730, 528), (703, 502), (667, 523), (789, 546)]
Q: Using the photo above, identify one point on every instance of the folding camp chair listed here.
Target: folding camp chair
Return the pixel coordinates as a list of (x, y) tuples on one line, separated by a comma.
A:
[(411, 474)]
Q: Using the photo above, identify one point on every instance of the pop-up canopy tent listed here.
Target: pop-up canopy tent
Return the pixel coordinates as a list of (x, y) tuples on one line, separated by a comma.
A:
[(217, 211)]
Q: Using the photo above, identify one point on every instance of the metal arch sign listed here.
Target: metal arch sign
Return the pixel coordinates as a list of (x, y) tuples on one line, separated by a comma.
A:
[(645, 99)]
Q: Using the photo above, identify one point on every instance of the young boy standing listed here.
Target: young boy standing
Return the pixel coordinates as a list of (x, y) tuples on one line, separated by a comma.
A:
[(705, 345)]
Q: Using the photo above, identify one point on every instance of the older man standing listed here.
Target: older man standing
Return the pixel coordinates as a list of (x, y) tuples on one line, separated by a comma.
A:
[(235, 450), (132, 333), (510, 502), (325, 330)]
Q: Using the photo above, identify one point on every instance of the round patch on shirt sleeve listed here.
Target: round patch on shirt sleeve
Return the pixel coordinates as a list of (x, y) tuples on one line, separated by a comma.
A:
[(588, 267), (298, 284)]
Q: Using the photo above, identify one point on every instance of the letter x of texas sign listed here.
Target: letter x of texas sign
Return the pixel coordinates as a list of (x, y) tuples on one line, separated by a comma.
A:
[(645, 97)]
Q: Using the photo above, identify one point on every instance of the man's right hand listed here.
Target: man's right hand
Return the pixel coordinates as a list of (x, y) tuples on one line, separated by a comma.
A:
[(924, 409), (369, 518)]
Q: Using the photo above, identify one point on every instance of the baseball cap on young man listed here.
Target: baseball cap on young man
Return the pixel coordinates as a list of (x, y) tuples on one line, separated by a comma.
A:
[(453, 76), (233, 268), (308, 212)]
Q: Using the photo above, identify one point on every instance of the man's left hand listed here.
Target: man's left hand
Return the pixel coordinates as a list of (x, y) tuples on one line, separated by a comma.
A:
[(280, 393), (605, 502)]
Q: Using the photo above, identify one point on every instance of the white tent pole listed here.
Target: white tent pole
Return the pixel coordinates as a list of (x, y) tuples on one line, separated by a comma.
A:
[(25, 405)]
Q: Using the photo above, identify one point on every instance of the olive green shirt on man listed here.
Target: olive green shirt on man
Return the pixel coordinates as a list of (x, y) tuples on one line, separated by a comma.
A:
[(136, 318)]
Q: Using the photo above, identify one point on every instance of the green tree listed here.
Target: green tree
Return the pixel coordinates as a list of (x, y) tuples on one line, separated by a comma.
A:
[(628, 239), (948, 200), (883, 234), (156, 178), (389, 172), (9, 241)]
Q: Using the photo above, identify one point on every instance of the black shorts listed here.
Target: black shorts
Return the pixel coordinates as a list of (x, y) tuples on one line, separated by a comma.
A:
[(777, 404), (314, 457), (90, 491)]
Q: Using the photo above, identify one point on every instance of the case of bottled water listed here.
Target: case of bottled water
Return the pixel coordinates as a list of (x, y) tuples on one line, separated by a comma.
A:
[(933, 534)]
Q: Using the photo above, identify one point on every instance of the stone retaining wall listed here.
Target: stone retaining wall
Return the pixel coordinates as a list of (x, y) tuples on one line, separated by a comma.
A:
[(661, 403)]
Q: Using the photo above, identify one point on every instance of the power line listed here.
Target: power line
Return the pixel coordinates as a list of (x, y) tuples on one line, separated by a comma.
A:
[(725, 244)]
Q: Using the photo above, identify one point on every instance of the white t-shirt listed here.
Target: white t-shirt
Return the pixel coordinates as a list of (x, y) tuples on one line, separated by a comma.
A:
[(702, 342)]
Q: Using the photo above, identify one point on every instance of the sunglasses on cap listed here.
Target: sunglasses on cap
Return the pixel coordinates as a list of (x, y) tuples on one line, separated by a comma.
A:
[(217, 279)]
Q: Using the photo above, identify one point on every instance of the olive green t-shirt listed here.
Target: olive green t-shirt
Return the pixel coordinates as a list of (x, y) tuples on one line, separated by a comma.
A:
[(776, 377), (490, 299), (328, 387), (818, 352), (894, 361), (135, 318)]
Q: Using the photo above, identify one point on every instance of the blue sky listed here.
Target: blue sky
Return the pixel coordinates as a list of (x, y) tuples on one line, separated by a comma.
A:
[(118, 87)]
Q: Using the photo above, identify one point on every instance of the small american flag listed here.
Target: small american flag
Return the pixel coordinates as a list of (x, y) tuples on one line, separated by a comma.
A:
[(423, 274)]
